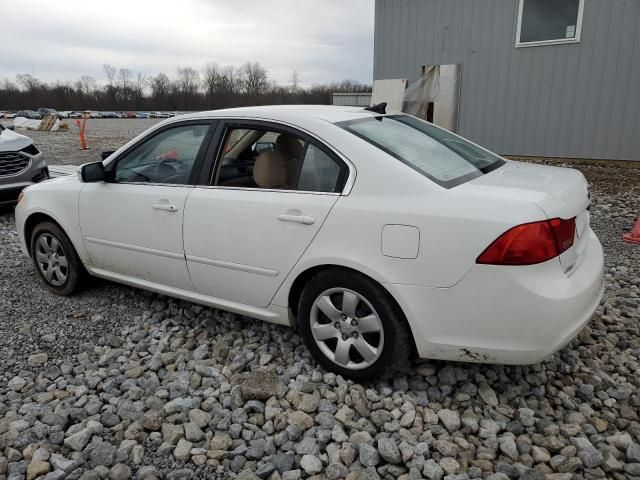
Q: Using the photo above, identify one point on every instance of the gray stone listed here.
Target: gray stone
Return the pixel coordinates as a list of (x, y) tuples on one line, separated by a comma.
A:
[(389, 451), (488, 395), (78, 440), (37, 359), (587, 453), (633, 453), (509, 448), (192, 432), (432, 470), (61, 463), (17, 383), (311, 464), (283, 461), (103, 454), (335, 471), (182, 450), (450, 419), (368, 455), (119, 472)]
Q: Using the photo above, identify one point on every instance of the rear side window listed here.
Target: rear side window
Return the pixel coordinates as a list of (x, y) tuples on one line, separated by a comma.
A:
[(261, 158), (441, 156), (320, 172)]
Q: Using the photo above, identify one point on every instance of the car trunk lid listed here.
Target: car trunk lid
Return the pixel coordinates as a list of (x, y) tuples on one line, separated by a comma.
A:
[(559, 192)]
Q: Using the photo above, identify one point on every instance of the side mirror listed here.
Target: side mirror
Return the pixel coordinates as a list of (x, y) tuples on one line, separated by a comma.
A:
[(92, 172)]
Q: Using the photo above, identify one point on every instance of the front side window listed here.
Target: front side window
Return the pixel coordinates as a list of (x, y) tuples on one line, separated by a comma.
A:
[(259, 158), (167, 157), (542, 22), (441, 156)]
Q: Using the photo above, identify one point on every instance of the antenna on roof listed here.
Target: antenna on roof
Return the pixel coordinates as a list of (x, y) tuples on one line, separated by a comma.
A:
[(380, 108)]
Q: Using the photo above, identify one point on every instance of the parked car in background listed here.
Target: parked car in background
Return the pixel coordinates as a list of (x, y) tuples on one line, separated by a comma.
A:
[(21, 164), (155, 115), (8, 115), (94, 114), (109, 115), (29, 114), (165, 115), (380, 234), (64, 114), (132, 115), (46, 111), (75, 115), (143, 115)]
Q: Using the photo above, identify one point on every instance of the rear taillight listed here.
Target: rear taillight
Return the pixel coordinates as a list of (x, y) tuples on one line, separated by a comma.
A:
[(531, 243)]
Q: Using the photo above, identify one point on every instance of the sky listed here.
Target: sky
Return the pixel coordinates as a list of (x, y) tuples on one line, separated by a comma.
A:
[(323, 40)]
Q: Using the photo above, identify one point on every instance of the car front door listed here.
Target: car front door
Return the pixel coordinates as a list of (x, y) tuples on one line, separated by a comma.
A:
[(132, 223), (267, 197)]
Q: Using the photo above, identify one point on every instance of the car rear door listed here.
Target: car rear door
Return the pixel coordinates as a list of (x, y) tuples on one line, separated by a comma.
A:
[(132, 224), (242, 239)]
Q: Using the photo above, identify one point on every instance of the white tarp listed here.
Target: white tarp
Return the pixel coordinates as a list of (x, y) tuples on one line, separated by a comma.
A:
[(390, 91), (440, 86), (29, 124)]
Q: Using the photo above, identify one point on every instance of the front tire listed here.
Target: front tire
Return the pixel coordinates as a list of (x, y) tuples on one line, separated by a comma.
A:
[(55, 259), (352, 326)]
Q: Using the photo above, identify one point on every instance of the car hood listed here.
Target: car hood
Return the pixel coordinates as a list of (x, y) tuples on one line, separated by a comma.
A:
[(11, 141), (560, 192)]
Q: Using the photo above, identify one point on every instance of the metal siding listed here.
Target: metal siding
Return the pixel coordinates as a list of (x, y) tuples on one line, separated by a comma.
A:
[(574, 100)]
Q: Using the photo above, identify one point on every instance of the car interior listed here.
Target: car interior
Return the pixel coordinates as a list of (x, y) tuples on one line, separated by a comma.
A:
[(166, 158), (260, 159)]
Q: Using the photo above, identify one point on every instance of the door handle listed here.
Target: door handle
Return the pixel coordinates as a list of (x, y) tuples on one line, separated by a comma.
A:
[(164, 206), (304, 219)]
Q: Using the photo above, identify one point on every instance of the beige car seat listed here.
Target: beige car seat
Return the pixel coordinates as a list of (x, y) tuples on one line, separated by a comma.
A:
[(291, 149), (270, 170)]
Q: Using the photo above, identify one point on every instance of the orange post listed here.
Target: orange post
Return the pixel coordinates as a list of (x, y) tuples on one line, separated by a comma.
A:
[(81, 126), (634, 235)]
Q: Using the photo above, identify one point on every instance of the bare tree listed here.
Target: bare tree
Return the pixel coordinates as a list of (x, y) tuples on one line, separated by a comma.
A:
[(124, 77), (141, 83), (210, 75), (87, 84), (27, 81), (229, 80), (187, 83), (255, 78), (110, 72), (160, 85)]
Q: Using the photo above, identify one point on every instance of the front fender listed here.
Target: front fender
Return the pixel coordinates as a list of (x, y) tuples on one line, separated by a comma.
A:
[(58, 200)]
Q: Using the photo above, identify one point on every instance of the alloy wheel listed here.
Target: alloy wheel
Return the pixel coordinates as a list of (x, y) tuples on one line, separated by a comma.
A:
[(51, 259), (346, 328)]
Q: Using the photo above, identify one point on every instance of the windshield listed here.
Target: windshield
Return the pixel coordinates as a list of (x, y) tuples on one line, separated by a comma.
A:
[(441, 156)]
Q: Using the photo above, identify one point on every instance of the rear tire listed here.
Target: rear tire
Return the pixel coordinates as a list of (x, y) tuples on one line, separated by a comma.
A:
[(55, 259), (352, 326)]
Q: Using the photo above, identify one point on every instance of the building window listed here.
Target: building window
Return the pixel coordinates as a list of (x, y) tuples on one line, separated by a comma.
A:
[(548, 22)]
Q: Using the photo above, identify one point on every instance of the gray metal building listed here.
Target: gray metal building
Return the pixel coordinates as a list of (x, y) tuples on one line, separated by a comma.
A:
[(553, 78)]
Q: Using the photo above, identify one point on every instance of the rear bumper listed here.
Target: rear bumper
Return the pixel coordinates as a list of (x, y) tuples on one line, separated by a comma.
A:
[(510, 315)]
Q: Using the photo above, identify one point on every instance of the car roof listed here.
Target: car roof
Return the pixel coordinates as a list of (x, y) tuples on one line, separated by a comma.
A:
[(289, 113)]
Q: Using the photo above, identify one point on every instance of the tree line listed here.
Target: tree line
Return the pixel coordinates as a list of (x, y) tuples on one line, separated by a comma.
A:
[(214, 86)]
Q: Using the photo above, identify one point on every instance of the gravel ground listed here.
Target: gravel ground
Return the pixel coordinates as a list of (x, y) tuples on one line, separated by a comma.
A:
[(102, 134), (118, 383)]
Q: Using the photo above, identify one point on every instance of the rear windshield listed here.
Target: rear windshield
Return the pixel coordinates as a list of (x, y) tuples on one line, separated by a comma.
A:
[(439, 155)]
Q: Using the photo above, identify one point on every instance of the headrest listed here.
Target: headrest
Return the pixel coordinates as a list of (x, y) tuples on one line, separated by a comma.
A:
[(289, 146), (270, 170)]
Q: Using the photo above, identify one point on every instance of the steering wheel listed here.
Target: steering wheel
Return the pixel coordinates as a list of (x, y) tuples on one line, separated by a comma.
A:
[(164, 169)]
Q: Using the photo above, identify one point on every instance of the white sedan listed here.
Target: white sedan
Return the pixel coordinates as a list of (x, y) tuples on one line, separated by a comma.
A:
[(379, 235)]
